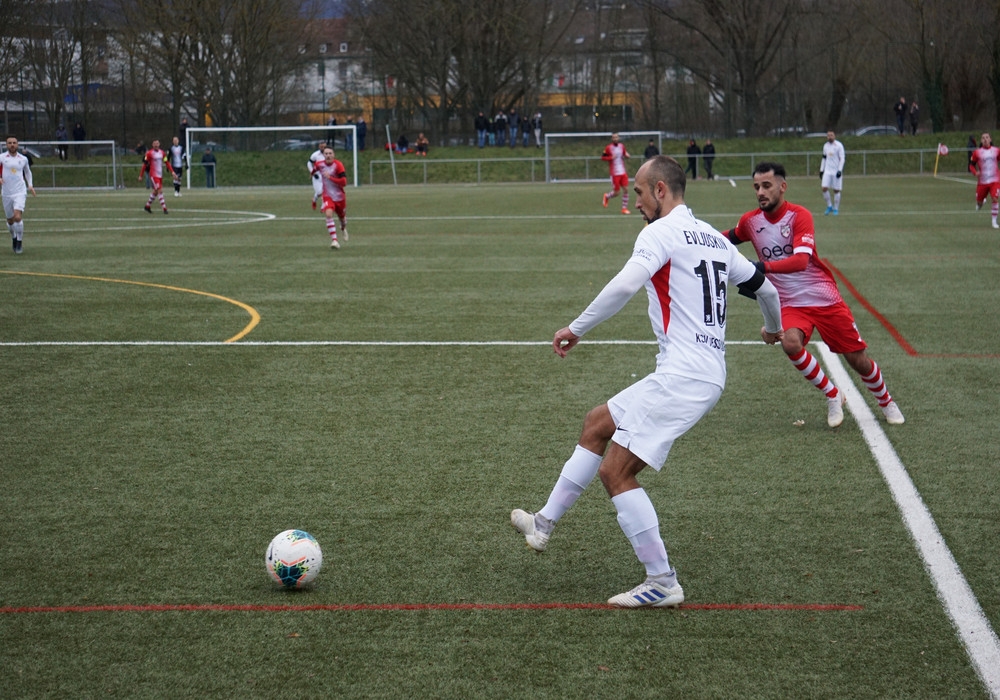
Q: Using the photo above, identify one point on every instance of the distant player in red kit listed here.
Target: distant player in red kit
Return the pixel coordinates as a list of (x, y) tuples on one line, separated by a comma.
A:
[(615, 154), (783, 235), (983, 164), (334, 179), (153, 163)]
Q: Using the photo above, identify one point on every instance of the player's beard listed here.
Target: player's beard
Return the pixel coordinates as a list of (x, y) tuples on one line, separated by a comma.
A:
[(657, 213)]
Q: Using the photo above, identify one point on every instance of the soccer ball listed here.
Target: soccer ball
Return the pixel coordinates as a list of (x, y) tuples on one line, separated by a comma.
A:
[(293, 558)]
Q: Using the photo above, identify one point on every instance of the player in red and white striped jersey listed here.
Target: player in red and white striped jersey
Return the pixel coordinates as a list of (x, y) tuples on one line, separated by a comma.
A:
[(983, 164), (334, 178), (784, 237), (615, 155), (153, 163)]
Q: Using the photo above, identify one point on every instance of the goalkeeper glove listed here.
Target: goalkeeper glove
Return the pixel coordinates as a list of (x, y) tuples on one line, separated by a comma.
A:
[(839, 173)]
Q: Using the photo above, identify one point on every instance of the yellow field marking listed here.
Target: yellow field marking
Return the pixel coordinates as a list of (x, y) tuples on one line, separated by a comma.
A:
[(254, 316)]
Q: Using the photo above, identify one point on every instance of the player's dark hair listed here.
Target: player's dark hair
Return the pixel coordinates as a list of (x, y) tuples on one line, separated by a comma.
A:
[(768, 167), (669, 171)]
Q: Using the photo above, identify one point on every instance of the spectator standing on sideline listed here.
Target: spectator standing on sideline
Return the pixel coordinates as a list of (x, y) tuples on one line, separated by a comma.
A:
[(482, 126), (182, 132), (513, 126), (62, 136), (79, 134), (831, 172), (900, 110), (708, 156), (491, 131), (783, 235), (317, 183), (362, 132), (500, 127), (331, 134), (334, 178), (208, 162), (177, 156), (349, 136), (639, 425), (15, 183), (914, 117), (986, 168), (615, 154), (693, 152), (525, 130), (536, 126), (651, 150), (153, 163)]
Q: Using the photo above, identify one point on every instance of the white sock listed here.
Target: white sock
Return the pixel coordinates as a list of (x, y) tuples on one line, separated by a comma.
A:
[(826, 198), (579, 470), (19, 230), (836, 201), (638, 521)]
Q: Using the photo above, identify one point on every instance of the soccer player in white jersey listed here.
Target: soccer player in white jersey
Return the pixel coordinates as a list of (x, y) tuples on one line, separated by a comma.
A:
[(15, 183), (177, 164), (782, 233), (831, 172), (153, 162), (686, 267), (983, 164), (314, 159), (333, 177), (615, 155)]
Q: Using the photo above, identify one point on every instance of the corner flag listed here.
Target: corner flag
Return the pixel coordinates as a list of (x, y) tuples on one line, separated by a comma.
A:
[(941, 151)]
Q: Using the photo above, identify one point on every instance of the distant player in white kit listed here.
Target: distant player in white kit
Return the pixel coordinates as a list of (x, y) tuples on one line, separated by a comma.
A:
[(615, 155), (983, 164), (831, 172), (153, 162), (333, 177), (15, 183), (317, 182), (687, 268)]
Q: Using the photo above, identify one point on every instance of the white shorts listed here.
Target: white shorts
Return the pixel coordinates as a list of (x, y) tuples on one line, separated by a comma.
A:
[(317, 186), (832, 182), (12, 202), (657, 410)]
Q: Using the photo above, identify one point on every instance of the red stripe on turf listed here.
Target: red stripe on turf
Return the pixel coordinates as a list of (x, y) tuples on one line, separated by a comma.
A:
[(398, 607)]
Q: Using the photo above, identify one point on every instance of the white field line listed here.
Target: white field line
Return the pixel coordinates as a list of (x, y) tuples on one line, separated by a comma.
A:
[(957, 598)]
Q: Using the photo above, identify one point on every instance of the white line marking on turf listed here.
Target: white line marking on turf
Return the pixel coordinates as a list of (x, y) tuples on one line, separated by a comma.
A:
[(356, 343), (960, 603)]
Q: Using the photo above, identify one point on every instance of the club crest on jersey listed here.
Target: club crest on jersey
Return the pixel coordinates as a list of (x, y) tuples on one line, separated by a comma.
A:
[(786, 230)]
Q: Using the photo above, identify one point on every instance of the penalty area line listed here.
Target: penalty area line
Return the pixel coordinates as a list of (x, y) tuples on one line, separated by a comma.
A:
[(407, 607)]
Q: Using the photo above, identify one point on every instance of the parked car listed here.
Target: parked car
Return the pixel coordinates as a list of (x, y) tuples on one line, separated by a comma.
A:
[(29, 151), (292, 145), (876, 130), (198, 147)]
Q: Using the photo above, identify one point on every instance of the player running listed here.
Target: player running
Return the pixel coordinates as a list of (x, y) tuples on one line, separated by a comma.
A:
[(783, 235), (153, 163), (15, 183), (333, 178), (615, 154), (983, 164), (316, 157)]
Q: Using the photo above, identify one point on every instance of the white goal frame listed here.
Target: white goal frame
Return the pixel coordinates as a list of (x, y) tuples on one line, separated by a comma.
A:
[(112, 182), (352, 128), (624, 135)]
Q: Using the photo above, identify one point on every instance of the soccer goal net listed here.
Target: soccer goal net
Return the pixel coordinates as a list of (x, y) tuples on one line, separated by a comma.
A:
[(74, 165), (577, 157), (247, 156)]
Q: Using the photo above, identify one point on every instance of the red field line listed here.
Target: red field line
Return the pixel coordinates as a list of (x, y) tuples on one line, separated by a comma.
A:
[(405, 607), (897, 336)]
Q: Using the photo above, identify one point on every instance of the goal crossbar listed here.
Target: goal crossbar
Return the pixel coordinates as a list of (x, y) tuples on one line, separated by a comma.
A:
[(624, 135)]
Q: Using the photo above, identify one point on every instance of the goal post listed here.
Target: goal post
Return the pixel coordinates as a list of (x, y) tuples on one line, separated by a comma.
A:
[(275, 146), (569, 157), (74, 165)]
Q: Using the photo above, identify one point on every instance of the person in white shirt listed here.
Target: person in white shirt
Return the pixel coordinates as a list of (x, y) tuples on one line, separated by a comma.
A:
[(177, 163), (831, 172), (686, 267), (15, 183), (317, 181)]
